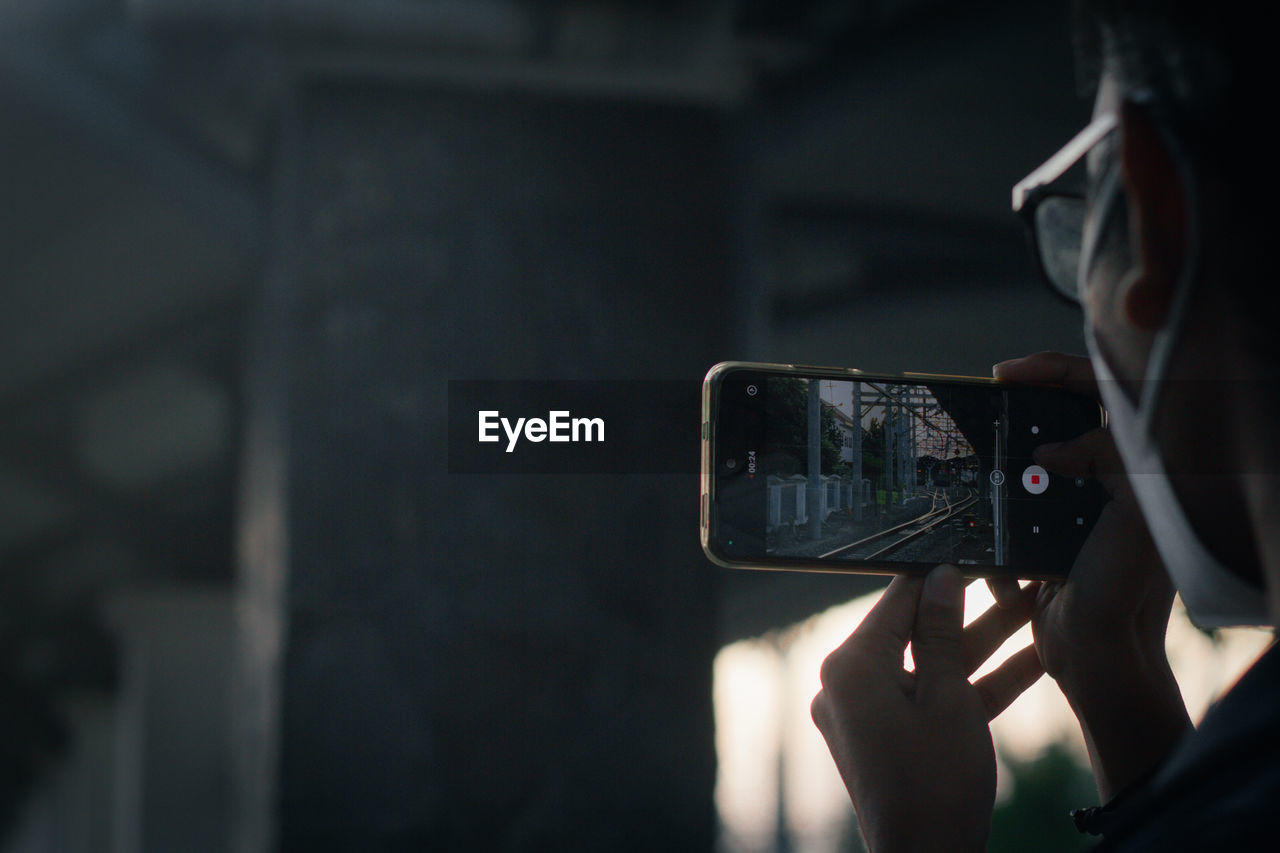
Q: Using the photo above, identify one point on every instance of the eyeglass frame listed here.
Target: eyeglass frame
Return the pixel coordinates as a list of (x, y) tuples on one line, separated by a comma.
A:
[(1029, 192)]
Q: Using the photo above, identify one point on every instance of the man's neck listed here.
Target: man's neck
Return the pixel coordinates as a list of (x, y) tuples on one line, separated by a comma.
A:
[(1255, 461), (1262, 490)]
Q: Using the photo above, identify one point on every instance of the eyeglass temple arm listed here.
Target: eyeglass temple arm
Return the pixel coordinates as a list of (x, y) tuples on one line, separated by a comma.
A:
[(1067, 156)]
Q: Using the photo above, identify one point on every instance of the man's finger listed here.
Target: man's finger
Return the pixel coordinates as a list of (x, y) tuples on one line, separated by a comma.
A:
[(1092, 455), (1009, 680), (895, 612), (882, 635), (1004, 591), (988, 632), (937, 642), (1073, 372), (820, 712)]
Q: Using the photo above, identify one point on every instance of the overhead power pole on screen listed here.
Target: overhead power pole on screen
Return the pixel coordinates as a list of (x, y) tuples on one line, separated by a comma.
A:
[(888, 452), (857, 451), (813, 489)]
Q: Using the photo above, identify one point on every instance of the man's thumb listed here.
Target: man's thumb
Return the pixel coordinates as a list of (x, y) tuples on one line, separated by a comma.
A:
[(937, 644)]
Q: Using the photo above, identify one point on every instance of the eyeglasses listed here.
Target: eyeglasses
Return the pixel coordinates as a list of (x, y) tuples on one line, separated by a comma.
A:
[(1055, 217)]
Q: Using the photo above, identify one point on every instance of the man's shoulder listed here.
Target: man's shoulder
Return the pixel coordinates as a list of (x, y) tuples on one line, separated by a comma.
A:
[(1220, 789)]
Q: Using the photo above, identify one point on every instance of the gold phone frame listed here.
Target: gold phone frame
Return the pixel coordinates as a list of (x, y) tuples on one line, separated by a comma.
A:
[(710, 386)]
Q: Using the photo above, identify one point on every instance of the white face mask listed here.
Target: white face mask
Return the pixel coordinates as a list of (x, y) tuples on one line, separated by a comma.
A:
[(1214, 596)]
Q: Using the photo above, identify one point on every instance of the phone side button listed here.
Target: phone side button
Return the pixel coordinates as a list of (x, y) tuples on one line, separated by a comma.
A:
[(704, 511)]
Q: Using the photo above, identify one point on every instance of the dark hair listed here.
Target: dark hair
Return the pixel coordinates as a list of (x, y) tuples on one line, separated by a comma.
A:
[(1207, 68), (1207, 71)]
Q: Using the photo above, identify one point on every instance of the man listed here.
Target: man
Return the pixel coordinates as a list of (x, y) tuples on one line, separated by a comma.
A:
[(1167, 252)]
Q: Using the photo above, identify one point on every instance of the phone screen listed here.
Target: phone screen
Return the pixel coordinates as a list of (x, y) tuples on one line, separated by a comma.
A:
[(814, 471)]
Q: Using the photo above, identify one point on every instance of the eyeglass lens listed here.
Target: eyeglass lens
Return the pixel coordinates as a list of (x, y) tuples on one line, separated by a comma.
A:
[(1059, 222)]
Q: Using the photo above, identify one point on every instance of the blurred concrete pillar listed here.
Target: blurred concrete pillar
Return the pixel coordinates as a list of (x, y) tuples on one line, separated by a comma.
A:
[(171, 768), (71, 812), (475, 662)]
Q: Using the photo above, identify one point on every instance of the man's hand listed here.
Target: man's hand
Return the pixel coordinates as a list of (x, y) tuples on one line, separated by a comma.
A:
[(1101, 634), (914, 748)]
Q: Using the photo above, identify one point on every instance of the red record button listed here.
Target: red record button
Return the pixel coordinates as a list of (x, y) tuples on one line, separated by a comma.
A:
[(1035, 479)]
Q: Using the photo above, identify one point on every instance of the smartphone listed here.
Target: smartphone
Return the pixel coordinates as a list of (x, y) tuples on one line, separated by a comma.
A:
[(839, 470)]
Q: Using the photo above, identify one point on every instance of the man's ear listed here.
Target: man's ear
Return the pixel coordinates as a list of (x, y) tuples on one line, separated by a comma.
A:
[(1157, 217)]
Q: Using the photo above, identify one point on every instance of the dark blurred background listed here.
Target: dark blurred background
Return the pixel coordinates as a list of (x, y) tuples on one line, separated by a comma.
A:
[(243, 247)]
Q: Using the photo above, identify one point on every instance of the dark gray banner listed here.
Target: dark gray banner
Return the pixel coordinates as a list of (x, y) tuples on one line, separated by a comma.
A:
[(574, 427)]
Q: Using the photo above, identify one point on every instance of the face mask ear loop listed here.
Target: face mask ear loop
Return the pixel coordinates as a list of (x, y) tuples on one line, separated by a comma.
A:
[(1162, 347), (1096, 227)]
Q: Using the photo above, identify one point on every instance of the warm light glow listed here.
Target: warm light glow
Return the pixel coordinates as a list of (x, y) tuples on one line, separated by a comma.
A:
[(1208, 667), (763, 688), (748, 728)]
